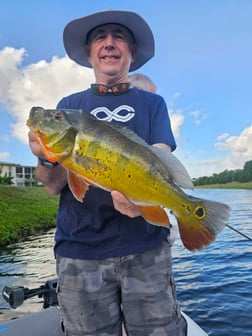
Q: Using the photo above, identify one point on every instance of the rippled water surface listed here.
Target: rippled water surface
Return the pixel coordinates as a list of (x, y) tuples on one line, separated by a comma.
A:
[(214, 285)]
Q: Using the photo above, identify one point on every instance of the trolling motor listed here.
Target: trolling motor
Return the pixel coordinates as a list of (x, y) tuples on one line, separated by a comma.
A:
[(16, 295)]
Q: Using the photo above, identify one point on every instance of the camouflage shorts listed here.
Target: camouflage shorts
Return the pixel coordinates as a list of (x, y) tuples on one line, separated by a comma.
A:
[(97, 295)]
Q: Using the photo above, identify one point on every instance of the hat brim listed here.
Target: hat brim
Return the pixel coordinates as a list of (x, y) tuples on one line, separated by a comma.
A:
[(76, 31)]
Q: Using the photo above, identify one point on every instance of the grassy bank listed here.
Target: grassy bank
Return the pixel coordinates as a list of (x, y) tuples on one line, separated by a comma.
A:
[(25, 211), (230, 185)]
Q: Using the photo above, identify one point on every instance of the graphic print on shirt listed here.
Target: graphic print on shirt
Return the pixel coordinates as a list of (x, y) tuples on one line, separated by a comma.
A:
[(122, 113)]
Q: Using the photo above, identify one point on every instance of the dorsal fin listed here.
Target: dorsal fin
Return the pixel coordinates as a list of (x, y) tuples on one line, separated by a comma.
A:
[(175, 168), (128, 133)]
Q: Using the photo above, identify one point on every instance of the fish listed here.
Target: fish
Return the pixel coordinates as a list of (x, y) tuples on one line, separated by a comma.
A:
[(112, 157)]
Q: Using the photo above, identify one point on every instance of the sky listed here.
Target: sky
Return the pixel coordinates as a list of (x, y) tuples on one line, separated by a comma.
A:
[(202, 67)]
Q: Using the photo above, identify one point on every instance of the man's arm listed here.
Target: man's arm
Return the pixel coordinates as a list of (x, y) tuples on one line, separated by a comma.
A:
[(54, 179)]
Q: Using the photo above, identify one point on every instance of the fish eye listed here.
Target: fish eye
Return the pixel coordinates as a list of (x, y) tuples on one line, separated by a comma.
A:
[(200, 212), (59, 115)]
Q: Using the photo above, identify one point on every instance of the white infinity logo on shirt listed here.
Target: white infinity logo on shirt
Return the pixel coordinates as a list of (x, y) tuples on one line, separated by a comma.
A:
[(118, 114)]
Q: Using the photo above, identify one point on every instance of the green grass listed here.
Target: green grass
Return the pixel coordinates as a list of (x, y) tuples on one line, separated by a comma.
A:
[(230, 185), (25, 211)]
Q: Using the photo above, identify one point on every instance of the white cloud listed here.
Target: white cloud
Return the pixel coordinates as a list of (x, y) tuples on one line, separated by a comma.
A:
[(223, 136), (177, 120), (40, 84), (238, 150), (239, 147), (173, 100), (4, 156), (198, 116)]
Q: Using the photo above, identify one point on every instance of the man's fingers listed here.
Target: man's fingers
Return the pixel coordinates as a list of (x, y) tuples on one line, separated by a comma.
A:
[(124, 205)]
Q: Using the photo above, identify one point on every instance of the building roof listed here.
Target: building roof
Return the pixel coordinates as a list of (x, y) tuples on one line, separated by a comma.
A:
[(3, 163)]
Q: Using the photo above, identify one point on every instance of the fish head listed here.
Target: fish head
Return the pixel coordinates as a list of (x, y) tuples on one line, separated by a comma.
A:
[(54, 132)]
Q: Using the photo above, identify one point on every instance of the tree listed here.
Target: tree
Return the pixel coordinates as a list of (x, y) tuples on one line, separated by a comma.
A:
[(248, 170), (5, 179)]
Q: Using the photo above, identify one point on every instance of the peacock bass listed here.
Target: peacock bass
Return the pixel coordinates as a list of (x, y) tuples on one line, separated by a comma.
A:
[(112, 157)]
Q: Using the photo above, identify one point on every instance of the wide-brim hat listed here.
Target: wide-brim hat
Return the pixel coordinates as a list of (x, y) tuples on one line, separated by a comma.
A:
[(76, 32)]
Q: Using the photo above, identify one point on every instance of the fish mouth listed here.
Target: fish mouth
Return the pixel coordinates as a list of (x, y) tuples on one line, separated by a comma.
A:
[(47, 144)]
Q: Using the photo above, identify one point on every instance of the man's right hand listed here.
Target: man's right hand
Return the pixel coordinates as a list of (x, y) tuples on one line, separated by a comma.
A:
[(34, 145), (53, 179)]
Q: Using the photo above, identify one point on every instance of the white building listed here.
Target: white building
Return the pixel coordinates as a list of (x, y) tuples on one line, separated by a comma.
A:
[(21, 175)]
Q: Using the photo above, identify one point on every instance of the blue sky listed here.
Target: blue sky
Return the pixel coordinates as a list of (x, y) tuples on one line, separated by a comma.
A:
[(202, 67)]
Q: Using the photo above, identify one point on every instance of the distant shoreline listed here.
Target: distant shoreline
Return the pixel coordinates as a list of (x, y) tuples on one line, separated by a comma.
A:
[(229, 185)]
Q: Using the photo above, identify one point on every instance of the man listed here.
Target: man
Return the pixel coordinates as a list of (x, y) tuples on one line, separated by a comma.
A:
[(107, 256), (142, 82)]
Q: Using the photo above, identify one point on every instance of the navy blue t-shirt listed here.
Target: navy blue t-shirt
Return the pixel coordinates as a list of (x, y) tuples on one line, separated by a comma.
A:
[(94, 229)]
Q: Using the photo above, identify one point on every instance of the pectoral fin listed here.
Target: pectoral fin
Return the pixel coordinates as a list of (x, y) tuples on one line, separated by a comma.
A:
[(89, 163), (77, 185), (155, 215)]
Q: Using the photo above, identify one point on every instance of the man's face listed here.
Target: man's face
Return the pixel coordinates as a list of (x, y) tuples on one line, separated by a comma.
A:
[(110, 50)]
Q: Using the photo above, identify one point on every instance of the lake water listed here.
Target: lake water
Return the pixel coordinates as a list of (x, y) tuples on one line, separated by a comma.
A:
[(214, 285)]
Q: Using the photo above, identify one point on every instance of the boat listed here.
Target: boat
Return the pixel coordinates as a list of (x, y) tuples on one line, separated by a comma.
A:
[(47, 322)]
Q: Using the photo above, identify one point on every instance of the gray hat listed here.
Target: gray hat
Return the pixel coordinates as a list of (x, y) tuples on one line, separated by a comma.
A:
[(76, 32)]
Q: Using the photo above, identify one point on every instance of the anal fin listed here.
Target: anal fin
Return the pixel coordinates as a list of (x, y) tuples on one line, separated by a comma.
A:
[(155, 215)]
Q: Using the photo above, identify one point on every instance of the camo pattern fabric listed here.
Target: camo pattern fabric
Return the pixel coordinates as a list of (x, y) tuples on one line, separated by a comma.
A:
[(96, 296)]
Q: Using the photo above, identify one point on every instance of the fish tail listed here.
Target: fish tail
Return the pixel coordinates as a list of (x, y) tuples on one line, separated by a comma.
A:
[(207, 219)]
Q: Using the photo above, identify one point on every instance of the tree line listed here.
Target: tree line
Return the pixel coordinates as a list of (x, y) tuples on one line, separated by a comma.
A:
[(237, 175)]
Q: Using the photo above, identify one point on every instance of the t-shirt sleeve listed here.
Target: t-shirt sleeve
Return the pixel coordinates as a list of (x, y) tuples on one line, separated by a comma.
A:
[(161, 131)]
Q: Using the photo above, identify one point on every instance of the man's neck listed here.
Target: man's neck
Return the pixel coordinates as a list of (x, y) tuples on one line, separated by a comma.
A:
[(111, 80)]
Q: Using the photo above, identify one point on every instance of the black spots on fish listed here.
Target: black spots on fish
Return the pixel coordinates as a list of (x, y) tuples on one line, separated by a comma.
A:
[(200, 212), (187, 208), (155, 186)]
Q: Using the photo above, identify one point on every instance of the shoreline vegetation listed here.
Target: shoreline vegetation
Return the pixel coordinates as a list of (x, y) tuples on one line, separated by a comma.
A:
[(27, 211), (229, 185)]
